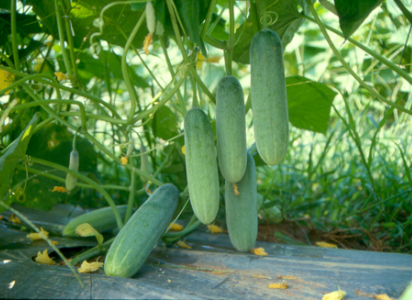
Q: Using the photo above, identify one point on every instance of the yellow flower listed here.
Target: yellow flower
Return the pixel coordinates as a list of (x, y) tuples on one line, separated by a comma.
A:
[(44, 259), (259, 251), (184, 150), (176, 227), (201, 59), (235, 189), (1, 217), (147, 42), (6, 79), (36, 236), (86, 229), (214, 228), (55, 243), (325, 245), (90, 267), (183, 245), (60, 76), (287, 277), (124, 160), (15, 219), (383, 297), (59, 189), (336, 295), (281, 285)]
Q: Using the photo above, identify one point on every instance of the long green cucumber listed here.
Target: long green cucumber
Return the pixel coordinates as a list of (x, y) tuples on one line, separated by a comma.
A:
[(268, 92), (136, 239), (241, 209), (201, 166), (231, 129), (101, 219)]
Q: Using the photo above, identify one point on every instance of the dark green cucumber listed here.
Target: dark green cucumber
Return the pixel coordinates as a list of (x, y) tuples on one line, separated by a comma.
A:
[(201, 166), (231, 129), (268, 92), (241, 209), (136, 239), (101, 219)]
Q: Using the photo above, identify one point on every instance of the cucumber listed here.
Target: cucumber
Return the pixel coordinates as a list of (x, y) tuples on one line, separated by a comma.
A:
[(268, 93), (136, 239), (101, 219), (231, 129), (241, 209), (201, 166)]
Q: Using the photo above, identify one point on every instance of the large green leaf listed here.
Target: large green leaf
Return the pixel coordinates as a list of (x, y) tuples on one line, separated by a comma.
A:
[(165, 123), (27, 24), (283, 16), (309, 103), (9, 159), (353, 12)]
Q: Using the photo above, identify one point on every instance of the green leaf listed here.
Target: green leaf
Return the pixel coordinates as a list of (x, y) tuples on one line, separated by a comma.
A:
[(165, 123), (9, 159), (353, 12), (27, 24), (283, 16), (309, 103)]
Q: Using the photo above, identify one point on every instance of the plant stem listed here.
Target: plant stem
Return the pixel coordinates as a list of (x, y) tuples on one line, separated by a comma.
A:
[(231, 36), (85, 179), (404, 10), (93, 252), (14, 35), (61, 36), (70, 39), (348, 68), (208, 19)]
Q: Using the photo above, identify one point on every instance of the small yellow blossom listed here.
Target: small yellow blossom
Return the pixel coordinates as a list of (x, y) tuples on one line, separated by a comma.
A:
[(183, 245), (44, 259), (36, 236), (287, 277), (59, 189), (184, 150), (235, 189), (336, 295), (148, 40), (6, 79), (383, 297), (124, 160), (90, 267), (60, 76), (176, 227), (259, 251), (326, 245), (214, 228), (201, 59), (86, 229), (55, 243), (281, 285), (14, 219)]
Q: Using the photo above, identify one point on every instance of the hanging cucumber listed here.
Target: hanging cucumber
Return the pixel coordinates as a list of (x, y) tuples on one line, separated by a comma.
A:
[(268, 93), (241, 209), (137, 238), (201, 166), (231, 129)]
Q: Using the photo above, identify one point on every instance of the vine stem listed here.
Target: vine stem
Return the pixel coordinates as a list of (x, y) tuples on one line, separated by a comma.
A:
[(85, 179), (14, 35), (26, 220), (231, 36), (93, 252), (70, 38), (130, 88), (348, 68), (208, 19), (61, 36)]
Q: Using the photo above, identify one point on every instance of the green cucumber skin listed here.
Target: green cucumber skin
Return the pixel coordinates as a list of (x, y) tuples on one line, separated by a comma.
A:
[(201, 166), (101, 219), (231, 129), (241, 210), (268, 92), (136, 239)]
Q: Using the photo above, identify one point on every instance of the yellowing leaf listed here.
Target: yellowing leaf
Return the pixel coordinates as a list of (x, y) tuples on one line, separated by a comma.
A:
[(86, 229), (184, 150), (259, 251), (281, 285), (326, 245), (44, 259), (336, 295), (235, 189), (214, 228), (60, 76), (60, 189), (183, 245), (90, 267), (36, 236), (14, 219), (383, 297), (147, 42), (6, 79), (124, 160), (176, 227)]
